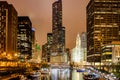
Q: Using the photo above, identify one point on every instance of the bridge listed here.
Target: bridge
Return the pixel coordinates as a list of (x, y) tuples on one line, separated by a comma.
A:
[(59, 65)]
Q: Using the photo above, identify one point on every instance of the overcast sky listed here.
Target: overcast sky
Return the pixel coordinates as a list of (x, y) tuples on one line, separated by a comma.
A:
[(40, 13)]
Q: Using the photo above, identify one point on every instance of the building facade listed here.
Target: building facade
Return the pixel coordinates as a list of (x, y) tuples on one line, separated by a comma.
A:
[(36, 55), (116, 52), (103, 21), (110, 56), (110, 53), (24, 37), (106, 57), (84, 45), (8, 30), (77, 57), (57, 29), (49, 45), (47, 48)]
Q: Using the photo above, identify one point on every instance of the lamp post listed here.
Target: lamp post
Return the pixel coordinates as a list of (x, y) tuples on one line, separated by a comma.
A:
[(3, 55), (9, 56)]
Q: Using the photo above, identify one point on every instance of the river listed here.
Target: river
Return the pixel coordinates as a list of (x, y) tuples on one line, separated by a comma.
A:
[(64, 74)]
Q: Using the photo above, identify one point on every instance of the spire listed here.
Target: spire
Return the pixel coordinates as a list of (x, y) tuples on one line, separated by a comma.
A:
[(78, 41), (60, 1)]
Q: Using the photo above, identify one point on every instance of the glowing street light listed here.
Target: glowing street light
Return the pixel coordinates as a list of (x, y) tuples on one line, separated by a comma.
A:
[(9, 56)]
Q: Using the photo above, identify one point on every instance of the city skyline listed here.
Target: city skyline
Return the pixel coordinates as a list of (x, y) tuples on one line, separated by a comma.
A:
[(56, 23), (40, 13)]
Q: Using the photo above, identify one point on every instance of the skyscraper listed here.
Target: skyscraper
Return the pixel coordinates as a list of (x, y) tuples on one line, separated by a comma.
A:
[(84, 45), (36, 55), (46, 48), (8, 30), (57, 29), (24, 37), (49, 45), (103, 27), (49, 38), (44, 52)]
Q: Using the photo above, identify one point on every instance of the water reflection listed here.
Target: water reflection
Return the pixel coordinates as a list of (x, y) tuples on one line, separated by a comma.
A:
[(44, 77), (76, 75), (60, 74), (64, 74)]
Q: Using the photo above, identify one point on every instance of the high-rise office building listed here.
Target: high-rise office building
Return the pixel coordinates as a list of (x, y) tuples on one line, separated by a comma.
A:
[(24, 37), (8, 30), (103, 27), (44, 52), (49, 38), (57, 29), (47, 48), (84, 45), (83, 40), (36, 56), (49, 45)]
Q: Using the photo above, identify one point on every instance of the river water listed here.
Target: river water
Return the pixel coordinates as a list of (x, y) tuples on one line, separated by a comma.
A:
[(65, 74), (76, 75)]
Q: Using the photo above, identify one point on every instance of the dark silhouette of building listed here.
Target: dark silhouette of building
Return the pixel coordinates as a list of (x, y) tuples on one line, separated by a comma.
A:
[(68, 54), (44, 52), (58, 30), (8, 30), (47, 48), (24, 37), (103, 27), (49, 45), (49, 38)]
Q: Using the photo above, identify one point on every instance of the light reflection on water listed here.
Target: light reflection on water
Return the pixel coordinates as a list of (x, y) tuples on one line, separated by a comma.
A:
[(76, 75), (64, 74), (60, 74)]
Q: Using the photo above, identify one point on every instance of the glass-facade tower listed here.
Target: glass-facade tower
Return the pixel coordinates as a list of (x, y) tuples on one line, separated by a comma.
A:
[(8, 30), (103, 27), (58, 30), (24, 37)]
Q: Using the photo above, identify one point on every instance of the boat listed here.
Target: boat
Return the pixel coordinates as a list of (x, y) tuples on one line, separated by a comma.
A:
[(90, 76), (80, 70)]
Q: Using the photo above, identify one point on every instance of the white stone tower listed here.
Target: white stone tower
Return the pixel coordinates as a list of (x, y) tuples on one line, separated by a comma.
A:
[(76, 54)]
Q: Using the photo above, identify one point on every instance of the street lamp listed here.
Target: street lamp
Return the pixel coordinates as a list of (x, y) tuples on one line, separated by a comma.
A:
[(16, 55), (3, 55), (9, 56)]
